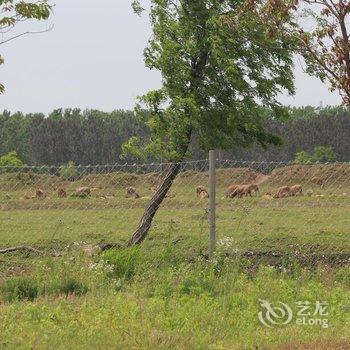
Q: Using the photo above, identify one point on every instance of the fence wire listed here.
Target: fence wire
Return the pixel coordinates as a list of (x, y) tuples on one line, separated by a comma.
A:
[(261, 206)]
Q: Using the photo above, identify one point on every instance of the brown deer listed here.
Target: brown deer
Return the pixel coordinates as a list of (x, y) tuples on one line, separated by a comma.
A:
[(318, 181), (131, 193), (83, 191), (200, 189), (40, 194), (296, 190), (250, 189), (283, 192), (62, 193), (204, 195), (230, 193)]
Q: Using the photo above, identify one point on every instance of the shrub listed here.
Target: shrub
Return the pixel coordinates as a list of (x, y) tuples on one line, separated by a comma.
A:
[(69, 171), (10, 160), (303, 157), (324, 154), (19, 288), (123, 262), (321, 155)]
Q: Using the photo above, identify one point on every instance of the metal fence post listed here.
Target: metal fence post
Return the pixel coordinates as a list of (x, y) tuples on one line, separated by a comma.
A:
[(212, 199)]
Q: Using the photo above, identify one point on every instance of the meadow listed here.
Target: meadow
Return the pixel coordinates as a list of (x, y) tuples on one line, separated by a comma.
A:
[(82, 288)]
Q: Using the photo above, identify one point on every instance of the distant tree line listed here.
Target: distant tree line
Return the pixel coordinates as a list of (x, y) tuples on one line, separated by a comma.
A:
[(92, 137), (306, 129)]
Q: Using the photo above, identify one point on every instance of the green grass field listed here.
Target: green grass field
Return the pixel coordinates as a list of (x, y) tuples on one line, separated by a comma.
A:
[(166, 294)]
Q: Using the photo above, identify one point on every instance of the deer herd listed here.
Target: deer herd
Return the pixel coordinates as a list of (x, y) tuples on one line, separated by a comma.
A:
[(240, 191), (233, 191)]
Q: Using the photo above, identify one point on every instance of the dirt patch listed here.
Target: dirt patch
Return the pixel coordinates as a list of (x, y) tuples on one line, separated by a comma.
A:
[(14, 181), (111, 180), (238, 175), (338, 173)]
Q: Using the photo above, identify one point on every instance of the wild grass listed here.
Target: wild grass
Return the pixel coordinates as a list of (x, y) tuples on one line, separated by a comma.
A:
[(149, 297), (167, 293)]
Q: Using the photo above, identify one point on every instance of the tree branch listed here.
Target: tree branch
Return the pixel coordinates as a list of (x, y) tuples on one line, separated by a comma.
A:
[(26, 33), (23, 248)]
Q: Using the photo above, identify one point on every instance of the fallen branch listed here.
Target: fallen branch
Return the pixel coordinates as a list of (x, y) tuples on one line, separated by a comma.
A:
[(23, 248)]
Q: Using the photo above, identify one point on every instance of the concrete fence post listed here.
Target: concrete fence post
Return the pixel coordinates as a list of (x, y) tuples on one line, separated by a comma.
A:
[(212, 199)]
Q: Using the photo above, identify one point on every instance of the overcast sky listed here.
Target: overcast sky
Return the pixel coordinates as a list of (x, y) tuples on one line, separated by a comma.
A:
[(93, 59)]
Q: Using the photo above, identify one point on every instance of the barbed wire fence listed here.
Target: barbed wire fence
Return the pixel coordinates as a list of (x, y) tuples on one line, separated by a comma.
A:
[(260, 206)]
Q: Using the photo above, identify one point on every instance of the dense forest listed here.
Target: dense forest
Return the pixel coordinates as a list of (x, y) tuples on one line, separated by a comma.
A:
[(94, 137)]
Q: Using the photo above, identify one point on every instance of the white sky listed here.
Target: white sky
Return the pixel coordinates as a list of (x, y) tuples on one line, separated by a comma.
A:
[(93, 59)]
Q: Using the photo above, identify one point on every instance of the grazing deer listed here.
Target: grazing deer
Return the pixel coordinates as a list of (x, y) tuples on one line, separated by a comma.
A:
[(250, 189), (282, 192), (318, 181), (62, 193), (83, 191), (131, 193), (296, 190), (40, 194), (231, 190)]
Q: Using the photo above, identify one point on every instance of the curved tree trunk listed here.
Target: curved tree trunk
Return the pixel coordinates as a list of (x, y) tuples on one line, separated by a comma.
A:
[(146, 221)]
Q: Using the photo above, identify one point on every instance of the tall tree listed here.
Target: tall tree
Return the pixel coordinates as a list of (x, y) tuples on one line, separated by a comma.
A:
[(13, 12), (221, 61), (326, 48)]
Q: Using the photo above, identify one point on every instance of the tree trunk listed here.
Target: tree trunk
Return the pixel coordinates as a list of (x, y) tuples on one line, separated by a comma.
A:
[(141, 233)]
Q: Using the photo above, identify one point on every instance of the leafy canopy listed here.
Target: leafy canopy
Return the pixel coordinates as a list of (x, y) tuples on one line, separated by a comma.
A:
[(326, 46), (221, 62), (14, 11)]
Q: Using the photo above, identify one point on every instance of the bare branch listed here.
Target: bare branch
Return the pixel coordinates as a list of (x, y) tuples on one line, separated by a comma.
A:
[(26, 33)]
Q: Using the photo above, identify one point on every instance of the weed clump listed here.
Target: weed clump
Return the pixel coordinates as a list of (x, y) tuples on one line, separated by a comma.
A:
[(19, 288), (123, 262), (68, 286), (24, 288)]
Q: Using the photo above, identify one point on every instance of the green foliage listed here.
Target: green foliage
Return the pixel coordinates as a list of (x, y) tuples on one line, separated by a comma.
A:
[(60, 281), (324, 154), (10, 160), (69, 172), (321, 155), (123, 262), (195, 285), (217, 74), (14, 134), (75, 132), (68, 286), (19, 288), (136, 6), (303, 157)]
